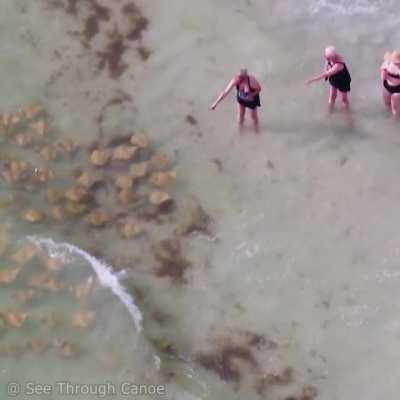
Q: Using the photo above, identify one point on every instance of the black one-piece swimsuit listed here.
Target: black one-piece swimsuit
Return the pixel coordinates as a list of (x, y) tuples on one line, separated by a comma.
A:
[(244, 100), (341, 80)]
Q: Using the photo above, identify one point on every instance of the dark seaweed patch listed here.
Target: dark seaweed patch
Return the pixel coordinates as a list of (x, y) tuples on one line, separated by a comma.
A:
[(218, 163), (171, 262), (139, 22), (71, 7), (260, 341), (144, 53), (222, 361), (284, 378), (308, 393), (111, 58), (140, 25), (191, 120), (92, 23)]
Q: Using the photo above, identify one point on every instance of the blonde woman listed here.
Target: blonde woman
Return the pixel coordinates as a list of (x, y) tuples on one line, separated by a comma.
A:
[(390, 74), (338, 76)]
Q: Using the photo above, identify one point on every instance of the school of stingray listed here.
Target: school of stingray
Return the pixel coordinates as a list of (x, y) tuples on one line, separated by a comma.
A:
[(139, 177), (124, 184)]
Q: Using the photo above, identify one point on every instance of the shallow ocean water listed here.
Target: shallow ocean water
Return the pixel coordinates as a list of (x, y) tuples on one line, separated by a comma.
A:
[(304, 246)]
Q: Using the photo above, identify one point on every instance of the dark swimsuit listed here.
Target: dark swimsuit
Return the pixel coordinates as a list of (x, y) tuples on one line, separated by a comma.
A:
[(242, 98), (341, 80), (392, 89)]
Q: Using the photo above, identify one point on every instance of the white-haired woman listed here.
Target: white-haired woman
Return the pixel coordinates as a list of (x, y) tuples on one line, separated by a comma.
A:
[(248, 96), (338, 76), (390, 74)]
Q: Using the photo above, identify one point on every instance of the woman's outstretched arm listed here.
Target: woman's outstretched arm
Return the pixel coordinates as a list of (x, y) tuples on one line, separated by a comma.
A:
[(225, 92), (331, 71)]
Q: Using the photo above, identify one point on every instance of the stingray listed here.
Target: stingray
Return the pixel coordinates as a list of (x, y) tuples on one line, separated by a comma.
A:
[(24, 255), (98, 218), (140, 140), (127, 196), (65, 348), (129, 228), (139, 170), (37, 345), (54, 319), (67, 146), (24, 296), (40, 127), (43, 174), (53, 195), (24, 139), (54, 264), (45, 281), (124, 153), (14, 319), (32, 111), (124, 181), (76, 194), (83, 319), (158, 198), (33, 216), (159, 161), (163, 179), (8, 275), (49, 153), (83, 289), (57, 212), (87, 180), (100, 158), (11, 350)]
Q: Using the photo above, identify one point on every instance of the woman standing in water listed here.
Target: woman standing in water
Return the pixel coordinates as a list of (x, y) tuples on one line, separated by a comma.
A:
[(390, 74), (248, 90), (337, 74)]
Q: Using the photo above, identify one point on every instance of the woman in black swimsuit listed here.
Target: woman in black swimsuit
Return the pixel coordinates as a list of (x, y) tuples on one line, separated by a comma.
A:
[(338, 76), (390, 74), (247, 96)]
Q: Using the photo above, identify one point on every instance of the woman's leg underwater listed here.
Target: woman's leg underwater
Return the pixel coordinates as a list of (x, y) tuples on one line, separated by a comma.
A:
[(395, 101), (332, 97), (387, 97), (254, 117), (241, 110), (345, 100)]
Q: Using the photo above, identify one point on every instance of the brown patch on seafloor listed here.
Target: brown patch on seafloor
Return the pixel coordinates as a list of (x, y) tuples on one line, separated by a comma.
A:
[(231, 356), (110, 58), (222, 361), (92, 22), (171, 262)]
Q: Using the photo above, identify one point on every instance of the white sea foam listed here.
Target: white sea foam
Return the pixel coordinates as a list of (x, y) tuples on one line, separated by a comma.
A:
[(104, 272), (348, 7)]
